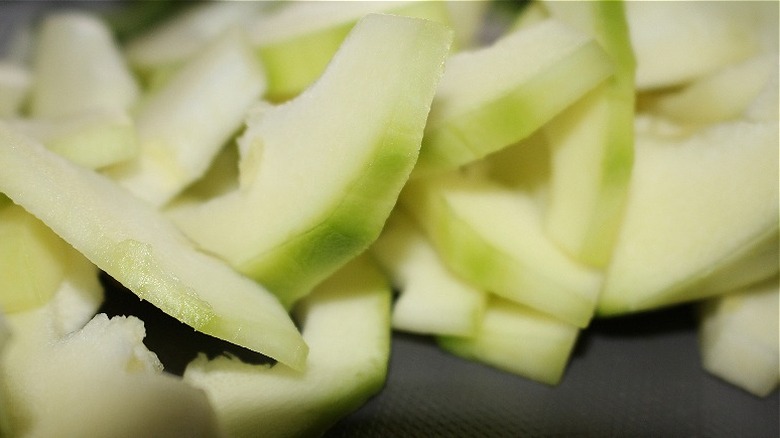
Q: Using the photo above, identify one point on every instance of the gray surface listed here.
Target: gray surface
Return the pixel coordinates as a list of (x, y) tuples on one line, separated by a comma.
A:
[(634, 377)]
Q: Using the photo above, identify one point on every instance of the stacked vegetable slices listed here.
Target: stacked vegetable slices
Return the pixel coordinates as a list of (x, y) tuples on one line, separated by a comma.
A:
[(563, 174)]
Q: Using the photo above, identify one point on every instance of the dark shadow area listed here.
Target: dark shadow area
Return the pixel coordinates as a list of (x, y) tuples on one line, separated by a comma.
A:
[(415, 338), (175, 343), (649, 323), (675, 319)]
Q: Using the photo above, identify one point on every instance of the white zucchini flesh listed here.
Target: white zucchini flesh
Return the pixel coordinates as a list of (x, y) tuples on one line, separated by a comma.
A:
[(139, 247)]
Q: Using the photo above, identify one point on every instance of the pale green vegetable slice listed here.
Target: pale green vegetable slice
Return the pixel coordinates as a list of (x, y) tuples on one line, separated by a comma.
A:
[(699, 203), (722, 95), (321, 173), (93, 139), (184, 124), (726, 91), (518, 340), (468, 20), (222, 177), (524, 166), (32, 260), (5, 334), (76, 300), (103, 369), (78, 67), (346, 322), (433, 300), (139, 247), (739, 337), (676, 42), (532, 13), (15, 82), (78, 297), (753, 264), (764, 107), (173, 41), (298, 41), (492, 236), (592, 142), (495, 96)]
